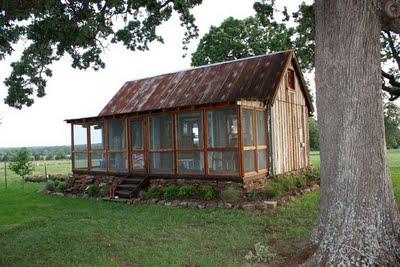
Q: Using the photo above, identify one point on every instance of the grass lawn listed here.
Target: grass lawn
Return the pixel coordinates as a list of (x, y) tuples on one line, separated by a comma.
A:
[(37, 229)]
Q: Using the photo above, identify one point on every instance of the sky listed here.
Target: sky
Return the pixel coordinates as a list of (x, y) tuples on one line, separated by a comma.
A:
[(74, 93)]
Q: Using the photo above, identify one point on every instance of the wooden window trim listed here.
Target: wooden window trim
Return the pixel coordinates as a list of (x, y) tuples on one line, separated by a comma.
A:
[(110, 151), (132, 150), (291, 85), (150, 150), (188, 150), (74, 152)]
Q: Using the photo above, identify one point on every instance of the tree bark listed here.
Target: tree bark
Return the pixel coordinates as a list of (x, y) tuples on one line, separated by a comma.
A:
[(359, 218)]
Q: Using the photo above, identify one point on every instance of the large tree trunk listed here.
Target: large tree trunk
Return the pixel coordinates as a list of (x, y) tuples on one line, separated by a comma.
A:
[(359, 220)]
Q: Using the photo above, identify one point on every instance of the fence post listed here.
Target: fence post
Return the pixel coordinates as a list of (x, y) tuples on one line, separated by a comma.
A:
[(45, 170), (5, 173)]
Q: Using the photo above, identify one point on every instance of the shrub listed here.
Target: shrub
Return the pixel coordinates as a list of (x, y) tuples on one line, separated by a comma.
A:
[(207, 192), (252, 196), (142, 194), (272, 190), (50, 185), (153, 192), (301, 181), (313, 175), (58, 177), (35, 179), (261, 254), (93, 190), (186, 191), (288, 183), (171, 192), (61, 186), (231, 194), (104, 191)]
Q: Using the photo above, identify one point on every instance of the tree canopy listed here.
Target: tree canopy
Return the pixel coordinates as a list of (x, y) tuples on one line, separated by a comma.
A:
[(20, 162), (260, 34), (80, 29)]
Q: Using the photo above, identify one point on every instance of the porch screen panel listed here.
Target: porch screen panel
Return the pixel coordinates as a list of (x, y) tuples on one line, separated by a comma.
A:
[(161, 132), (190, 130), (261, 140), (224, 162), (223, 140), (80, 137), (137, 134), (80, 148), (222, 128), (117, 154), (97, 147), (137, 145), (247, 125), (190, 145), (161, 144), (261, 129)]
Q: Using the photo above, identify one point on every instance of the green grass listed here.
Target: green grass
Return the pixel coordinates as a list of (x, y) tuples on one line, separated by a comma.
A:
[(42, 230)]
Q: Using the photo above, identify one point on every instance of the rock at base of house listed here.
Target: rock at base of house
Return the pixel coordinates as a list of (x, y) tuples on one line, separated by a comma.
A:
[(271, 204)]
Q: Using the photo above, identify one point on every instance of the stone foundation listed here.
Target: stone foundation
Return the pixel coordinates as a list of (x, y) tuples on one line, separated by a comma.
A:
[(78, 183)]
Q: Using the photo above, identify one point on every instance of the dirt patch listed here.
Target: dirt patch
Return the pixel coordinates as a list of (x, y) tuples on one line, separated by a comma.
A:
[(293, 253)]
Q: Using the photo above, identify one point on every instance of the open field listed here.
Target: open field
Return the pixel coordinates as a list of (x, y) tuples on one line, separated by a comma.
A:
[(44, 230)]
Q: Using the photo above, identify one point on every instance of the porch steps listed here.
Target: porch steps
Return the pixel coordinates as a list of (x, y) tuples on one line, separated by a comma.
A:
[(130, 187)]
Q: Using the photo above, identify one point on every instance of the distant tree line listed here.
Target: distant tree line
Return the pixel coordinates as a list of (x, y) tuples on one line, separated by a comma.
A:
[(39, 153), (392, 127)]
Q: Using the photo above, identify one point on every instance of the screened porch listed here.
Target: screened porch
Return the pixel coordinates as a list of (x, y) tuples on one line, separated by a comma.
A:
[(220, 141)]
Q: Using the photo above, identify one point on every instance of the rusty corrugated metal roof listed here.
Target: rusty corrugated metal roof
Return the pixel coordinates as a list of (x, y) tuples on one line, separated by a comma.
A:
[(254, 78)]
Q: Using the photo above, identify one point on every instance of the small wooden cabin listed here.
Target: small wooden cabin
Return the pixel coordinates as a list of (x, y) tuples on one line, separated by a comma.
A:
[(240, 121)]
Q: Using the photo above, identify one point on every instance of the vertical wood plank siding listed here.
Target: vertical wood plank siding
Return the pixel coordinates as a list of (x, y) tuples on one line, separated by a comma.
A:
[(289, 123)]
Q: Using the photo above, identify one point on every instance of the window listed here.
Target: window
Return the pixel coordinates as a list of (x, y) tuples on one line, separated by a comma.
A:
[(117, 154), (80, 148), (161, 144), (81, 160), (254, 140), (97, 138), (247, 124), (137, 143), (80, 137), (161, 132), (222, 128), (262, 159), (190, 153), (191, 162), (249, 165), (223, 134), (225, 162), (116, 133), (261, 130), (291, 79), (162, 162), (137, 134), (190, 130)]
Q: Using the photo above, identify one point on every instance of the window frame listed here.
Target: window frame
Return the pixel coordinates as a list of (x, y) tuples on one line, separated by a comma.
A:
[(256, 147), (291, 83), (234, 149), (91, 151), (132, 150), (74, 151), (200, 149), (110, 151), (161, 150)]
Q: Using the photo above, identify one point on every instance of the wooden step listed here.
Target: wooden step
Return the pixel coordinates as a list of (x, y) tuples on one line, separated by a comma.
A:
[(124, 193), (132, 180), (129, 187)]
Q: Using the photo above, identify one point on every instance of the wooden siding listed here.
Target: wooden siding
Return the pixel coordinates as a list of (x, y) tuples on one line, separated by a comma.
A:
[(289, 123)]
